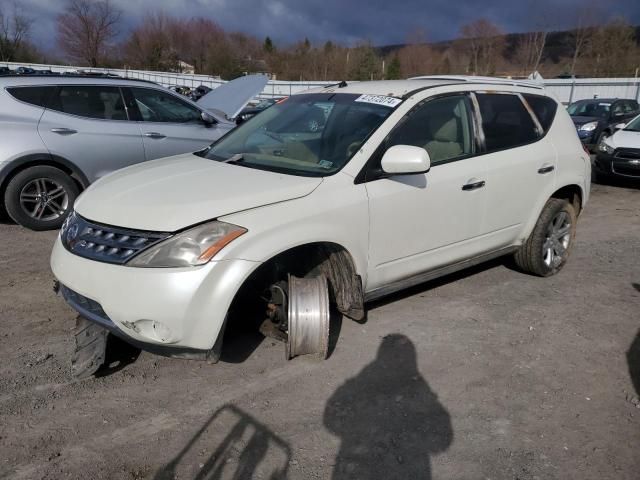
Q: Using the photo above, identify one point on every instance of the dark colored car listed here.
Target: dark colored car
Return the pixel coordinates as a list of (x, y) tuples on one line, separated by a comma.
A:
[(248, 112), (595, 119), (5, 71), (619, 155), (24, 71), (199, 92)]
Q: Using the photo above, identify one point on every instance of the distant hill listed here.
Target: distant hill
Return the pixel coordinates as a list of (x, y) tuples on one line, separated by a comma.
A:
[(558, 45)]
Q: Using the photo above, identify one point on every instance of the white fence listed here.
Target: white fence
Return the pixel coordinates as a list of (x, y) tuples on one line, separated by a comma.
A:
[(567, 90)]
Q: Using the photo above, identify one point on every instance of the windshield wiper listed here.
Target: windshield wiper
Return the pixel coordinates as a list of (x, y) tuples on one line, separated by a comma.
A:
[(237, 158)]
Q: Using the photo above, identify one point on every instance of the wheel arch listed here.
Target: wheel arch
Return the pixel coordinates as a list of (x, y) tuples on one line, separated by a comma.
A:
[(38, 159), (572, 192), (331, 259)]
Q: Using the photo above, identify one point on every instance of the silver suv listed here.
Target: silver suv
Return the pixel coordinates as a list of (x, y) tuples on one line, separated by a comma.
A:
[(61, 133)]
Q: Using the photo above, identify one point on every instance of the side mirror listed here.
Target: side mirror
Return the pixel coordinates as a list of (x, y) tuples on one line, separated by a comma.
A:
[(619, 126), (207, 119), (405, 160)]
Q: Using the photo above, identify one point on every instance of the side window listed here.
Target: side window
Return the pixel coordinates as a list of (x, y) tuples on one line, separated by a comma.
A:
[(617, 109), (158, 106), (544, 108), (101, 102), (441, 126), (505, 121), (37, 96)]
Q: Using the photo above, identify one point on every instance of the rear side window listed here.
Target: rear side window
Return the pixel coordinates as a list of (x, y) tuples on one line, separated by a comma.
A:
[(505, 121), (104, 103), (545, 109), (37, 96)]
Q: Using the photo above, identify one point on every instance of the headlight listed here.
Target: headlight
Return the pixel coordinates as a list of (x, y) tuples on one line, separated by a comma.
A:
[(605, 147), (589, 127), (192, 247)]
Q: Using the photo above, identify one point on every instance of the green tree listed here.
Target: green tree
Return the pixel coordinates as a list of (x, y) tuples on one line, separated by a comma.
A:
[(393, 69), (268, 45)]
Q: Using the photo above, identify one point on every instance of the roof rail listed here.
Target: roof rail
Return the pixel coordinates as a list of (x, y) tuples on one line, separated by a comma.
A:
[(73, 75), (485, 80)]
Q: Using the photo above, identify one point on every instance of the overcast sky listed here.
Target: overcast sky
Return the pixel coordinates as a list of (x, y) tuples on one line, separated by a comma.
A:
[(382, 22)]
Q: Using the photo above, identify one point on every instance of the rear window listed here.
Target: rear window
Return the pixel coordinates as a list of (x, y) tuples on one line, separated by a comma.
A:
[(505, 121), (37, 96), (545, 109), (90, 101)]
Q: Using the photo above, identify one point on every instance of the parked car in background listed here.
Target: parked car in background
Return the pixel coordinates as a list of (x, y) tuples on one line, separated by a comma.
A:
[(58, 134), (5, 71), (619, 154), (403, 181), (252, 110), (595, 119), (24, 71), (199, 92)]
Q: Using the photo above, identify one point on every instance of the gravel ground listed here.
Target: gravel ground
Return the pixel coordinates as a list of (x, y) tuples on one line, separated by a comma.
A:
[(487, 374)]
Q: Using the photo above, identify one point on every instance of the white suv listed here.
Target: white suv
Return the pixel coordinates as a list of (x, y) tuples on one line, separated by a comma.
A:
[(399, 182)]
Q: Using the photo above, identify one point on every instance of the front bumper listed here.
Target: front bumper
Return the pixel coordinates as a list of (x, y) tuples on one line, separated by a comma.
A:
[(176, 308), (617, 165)]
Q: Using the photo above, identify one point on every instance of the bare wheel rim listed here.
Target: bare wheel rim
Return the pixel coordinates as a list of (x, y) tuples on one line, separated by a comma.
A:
[(556, 243), (44, 199), (308, 317)]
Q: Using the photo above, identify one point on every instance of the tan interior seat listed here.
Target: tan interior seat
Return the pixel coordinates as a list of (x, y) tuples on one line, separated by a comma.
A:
[(446, 142)]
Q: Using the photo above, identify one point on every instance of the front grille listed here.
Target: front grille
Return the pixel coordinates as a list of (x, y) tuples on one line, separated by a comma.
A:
[(105, 243), (627, 153)]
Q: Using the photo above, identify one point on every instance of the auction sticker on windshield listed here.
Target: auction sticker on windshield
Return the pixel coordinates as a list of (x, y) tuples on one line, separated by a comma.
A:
[(379, 100)]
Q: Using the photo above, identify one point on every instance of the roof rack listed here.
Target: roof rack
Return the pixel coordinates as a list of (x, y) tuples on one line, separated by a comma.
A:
[(485, 80)]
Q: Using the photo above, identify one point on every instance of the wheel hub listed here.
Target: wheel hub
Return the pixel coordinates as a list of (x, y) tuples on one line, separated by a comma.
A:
[(556, 245)]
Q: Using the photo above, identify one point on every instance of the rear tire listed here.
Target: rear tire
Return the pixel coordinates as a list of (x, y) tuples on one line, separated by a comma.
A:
[(40, 197), (548, 247)]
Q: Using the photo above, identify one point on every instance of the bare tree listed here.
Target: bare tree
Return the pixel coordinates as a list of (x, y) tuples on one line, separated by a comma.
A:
[(613, 50), (485, 42), (581, 37), (14, 30), (531, 47), (86, 29)]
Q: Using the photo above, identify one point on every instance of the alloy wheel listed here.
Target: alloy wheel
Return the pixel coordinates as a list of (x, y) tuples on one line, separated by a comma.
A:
[(44, 199)]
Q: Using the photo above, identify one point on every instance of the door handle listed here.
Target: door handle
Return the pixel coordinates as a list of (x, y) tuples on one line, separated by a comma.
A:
[(155, 135), (473, 186), (546, 169), (64, 131)]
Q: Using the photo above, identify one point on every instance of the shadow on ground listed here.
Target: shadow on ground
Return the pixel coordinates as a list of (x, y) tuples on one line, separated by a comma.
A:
[(388, 419), (118, 355), (248, 450), (633, 359)]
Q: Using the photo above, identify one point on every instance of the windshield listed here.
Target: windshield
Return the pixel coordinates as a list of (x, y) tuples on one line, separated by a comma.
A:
[(633, 125), (589, 109), (310, 134)]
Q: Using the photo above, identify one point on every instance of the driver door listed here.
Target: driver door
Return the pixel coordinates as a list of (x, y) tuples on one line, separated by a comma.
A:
[(424, 221), (170, 125)]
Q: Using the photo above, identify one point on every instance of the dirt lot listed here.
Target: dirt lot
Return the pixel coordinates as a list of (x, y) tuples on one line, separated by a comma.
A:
[(488, 374)]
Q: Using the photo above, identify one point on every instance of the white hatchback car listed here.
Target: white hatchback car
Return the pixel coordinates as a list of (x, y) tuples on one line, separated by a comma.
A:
[(401, 182)]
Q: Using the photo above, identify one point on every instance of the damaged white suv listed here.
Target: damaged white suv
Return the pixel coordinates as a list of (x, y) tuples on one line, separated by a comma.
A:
[(397, 182)]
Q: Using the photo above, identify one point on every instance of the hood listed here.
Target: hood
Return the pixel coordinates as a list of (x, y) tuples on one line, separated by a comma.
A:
[(232, 96), (625, 139), (581, 120), (176, 192)]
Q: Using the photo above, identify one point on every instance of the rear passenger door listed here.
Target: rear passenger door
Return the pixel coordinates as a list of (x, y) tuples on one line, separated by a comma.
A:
[(170, 125), (88, 125), (520, 162)]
